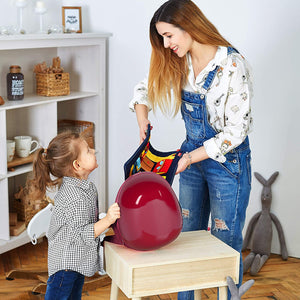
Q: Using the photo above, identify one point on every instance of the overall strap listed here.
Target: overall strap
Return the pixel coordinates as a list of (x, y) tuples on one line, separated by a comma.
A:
[(231, 50), (211, 75)]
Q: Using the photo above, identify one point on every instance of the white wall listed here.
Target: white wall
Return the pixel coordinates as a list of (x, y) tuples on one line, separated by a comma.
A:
[(266, 32)]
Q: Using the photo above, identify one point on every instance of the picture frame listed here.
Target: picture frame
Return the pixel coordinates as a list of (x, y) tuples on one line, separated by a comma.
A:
[(71, 19)]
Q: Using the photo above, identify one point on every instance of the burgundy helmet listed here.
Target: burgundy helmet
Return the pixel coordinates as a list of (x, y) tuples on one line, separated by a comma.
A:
[(150, 212)]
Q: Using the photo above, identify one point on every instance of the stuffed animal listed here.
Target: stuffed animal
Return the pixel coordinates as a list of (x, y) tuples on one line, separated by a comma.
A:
[(259, 232), (237, 293)]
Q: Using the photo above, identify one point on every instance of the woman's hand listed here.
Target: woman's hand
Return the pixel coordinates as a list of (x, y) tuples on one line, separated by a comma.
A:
[(142, 119), (143, 129), (189, 158), (183, 163)]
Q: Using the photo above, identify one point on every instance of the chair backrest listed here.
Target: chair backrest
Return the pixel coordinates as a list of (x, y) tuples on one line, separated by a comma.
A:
[(38, 225)]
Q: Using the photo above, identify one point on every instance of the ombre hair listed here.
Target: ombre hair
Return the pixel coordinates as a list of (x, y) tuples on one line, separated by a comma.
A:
[(168, 72)]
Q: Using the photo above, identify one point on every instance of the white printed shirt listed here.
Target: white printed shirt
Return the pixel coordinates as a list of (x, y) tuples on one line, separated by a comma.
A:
[(228, 101), (71, 241)]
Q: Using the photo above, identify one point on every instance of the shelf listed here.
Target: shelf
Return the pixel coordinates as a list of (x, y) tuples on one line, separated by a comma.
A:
[(14, 242), (46, 40), (84, 57), (33, 99), (20, 170), (54, 36)]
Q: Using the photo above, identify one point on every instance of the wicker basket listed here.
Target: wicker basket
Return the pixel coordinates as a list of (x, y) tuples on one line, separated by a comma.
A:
[(26, 208), (84, 128), (56, 84)]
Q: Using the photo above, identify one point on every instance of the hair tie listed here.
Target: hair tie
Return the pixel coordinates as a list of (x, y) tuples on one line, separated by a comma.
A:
[(45, 152)]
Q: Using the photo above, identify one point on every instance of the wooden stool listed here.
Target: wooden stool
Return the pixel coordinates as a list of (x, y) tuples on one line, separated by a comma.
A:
[(195, 260)]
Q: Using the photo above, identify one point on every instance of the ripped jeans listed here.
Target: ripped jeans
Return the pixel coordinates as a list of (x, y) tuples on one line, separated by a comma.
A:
[(219, 189)]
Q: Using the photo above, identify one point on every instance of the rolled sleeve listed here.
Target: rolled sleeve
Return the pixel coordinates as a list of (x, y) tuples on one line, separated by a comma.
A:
[(213, 150), (87, 234), (140, 95)]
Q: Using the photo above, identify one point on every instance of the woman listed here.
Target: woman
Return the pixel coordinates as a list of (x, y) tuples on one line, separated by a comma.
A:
[(193, 68)]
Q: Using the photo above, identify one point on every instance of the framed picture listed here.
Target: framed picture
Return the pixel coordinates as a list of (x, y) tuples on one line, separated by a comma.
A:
[(71, 19)]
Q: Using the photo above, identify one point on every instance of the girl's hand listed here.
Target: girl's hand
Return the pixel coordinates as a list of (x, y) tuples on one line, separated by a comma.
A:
[(113, 213)]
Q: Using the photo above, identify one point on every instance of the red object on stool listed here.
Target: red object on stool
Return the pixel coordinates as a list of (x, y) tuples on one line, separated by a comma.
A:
[(150, 212)]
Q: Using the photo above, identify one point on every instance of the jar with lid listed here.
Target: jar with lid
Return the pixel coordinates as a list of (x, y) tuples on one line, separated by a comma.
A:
[(15, 83)]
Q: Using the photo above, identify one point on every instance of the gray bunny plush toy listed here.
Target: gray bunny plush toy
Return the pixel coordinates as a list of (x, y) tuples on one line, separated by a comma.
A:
[(237, 293), (259, 232)]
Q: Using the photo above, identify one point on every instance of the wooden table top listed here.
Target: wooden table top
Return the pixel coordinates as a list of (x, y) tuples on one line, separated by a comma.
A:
[(189, 246)]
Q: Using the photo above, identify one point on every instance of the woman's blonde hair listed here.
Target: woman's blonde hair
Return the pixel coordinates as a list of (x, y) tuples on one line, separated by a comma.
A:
[(167, 70)]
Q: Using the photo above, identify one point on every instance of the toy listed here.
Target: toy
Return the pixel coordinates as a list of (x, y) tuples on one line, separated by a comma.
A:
[(237, 293), (147, 159), (259, 231), (150, 211), (151, 214)]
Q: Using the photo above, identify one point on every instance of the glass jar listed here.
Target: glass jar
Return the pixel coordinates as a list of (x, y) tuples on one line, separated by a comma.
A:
[(15, 83)]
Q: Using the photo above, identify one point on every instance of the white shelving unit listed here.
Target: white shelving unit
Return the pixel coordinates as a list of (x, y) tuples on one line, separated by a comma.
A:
[(84, 56)]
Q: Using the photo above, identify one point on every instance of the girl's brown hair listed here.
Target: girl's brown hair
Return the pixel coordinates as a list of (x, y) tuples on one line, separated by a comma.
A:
[(53, 163), (167, 70)]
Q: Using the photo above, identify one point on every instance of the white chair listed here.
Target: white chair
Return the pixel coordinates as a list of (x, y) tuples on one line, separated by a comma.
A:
[(36, 229), (38, 225)]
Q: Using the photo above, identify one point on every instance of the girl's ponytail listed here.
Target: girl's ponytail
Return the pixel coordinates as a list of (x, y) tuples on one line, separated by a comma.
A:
[(41, 179)]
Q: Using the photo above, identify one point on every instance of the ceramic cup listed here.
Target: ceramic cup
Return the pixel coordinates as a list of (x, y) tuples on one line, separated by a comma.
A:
[(24, 145), (10, 146)]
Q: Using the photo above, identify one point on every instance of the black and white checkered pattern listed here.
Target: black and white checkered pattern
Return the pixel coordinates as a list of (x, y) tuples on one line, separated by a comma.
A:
[(71, 241)]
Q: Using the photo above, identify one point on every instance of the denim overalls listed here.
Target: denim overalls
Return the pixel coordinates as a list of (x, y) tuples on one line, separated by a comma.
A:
[(209, 186)]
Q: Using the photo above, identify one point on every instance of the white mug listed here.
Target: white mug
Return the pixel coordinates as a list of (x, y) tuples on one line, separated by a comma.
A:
[(10, 148), (24, 144)]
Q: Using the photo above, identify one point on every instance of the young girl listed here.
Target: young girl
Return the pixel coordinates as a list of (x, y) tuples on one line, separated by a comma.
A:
[(73, 235)]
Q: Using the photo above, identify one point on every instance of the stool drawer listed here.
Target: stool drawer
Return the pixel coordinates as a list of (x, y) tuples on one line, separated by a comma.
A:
[(182, 276)]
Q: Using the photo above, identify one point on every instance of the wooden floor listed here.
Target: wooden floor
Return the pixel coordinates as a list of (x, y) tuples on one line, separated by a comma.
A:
[(277, 279)]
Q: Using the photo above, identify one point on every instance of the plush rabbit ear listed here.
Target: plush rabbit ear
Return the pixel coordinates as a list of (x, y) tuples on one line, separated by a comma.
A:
[(260, 179), (272, 178), (232, 288), (245, 287)]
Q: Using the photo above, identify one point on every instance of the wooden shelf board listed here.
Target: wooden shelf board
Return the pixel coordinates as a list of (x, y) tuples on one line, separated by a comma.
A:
[(33, 99), (14, 242), (18, 161)]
